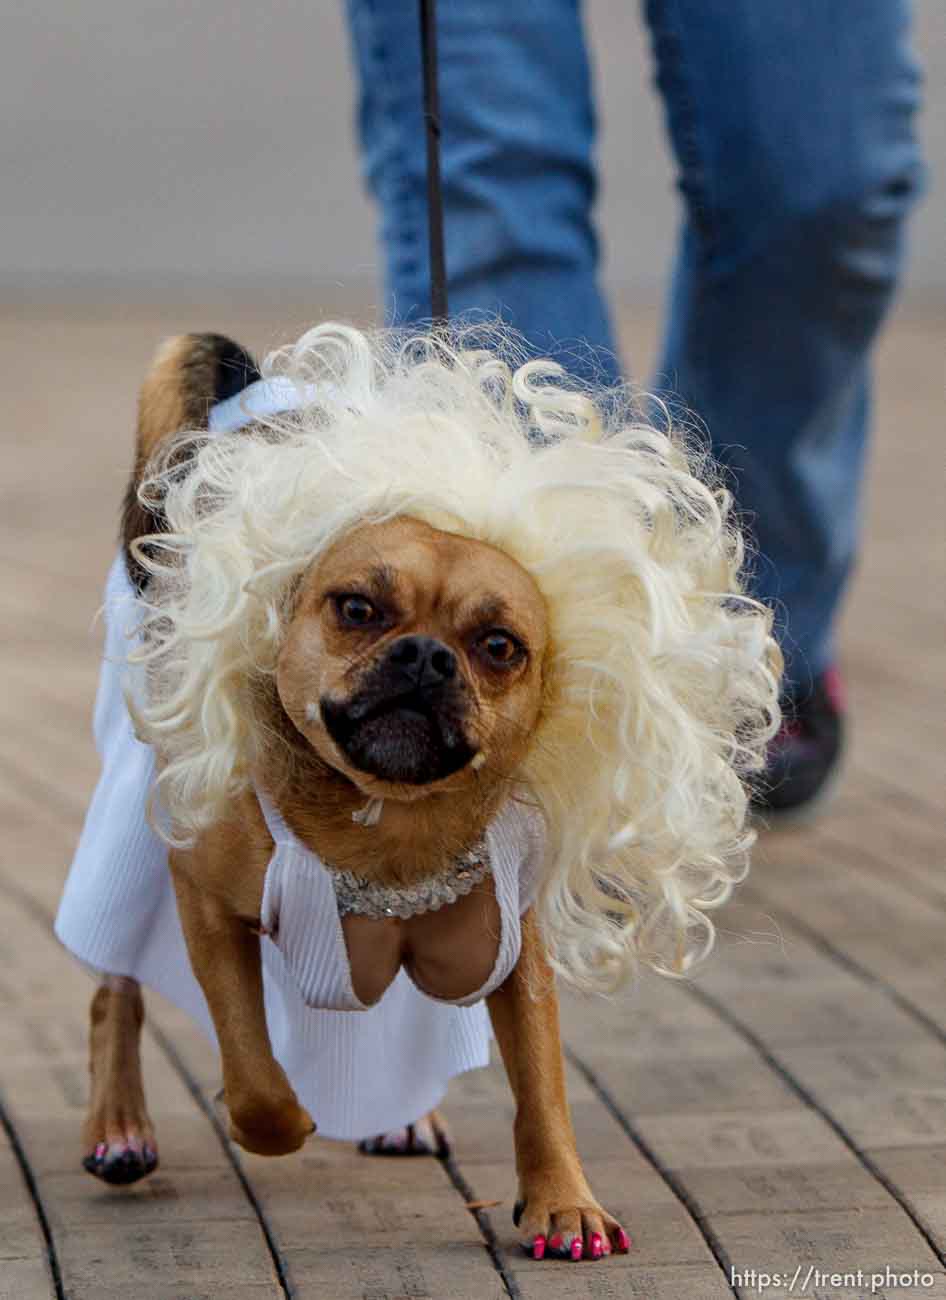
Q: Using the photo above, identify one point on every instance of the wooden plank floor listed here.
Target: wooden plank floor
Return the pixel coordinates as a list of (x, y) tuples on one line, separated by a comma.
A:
[(786, 1113)]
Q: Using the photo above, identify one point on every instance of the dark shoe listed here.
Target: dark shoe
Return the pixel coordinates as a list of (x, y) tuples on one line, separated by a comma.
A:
[(804, 759)]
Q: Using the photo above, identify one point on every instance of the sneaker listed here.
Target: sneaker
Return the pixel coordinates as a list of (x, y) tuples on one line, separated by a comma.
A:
[(804, 759)]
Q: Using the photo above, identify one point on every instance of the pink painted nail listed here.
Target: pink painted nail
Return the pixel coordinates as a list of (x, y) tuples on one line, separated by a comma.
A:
[(100, 1150), (577, 1249), (556, 1243), (597, 1250), (538, 1248), (624, 1241)]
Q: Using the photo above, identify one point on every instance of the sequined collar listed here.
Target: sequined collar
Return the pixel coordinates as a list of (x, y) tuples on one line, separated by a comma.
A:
[(372, 898)]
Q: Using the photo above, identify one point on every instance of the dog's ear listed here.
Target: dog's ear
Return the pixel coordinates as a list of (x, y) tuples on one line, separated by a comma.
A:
[(190, 373)]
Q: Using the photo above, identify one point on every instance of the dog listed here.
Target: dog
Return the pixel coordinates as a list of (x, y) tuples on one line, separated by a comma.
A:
[(443, 684)]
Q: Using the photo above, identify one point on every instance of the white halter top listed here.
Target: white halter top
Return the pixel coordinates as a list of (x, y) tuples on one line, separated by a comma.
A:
[(300, 914)]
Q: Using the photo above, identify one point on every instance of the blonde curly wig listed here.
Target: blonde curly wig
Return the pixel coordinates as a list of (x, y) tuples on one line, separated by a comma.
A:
[(661, 679)]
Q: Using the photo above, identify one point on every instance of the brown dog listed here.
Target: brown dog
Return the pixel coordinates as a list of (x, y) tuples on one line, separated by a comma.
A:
[(411, 671)]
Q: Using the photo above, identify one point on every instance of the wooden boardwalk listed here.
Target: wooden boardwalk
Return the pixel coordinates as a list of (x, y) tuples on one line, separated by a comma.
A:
[(785, 1112)]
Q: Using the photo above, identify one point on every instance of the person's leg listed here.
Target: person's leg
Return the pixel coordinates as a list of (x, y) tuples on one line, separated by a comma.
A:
[(793, 130), (518, 168)]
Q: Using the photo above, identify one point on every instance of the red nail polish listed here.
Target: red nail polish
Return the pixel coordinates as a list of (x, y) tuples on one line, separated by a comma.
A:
[(538, 1248), (577, 1249), (556, 1243), (597, 1250), (624, 1241)]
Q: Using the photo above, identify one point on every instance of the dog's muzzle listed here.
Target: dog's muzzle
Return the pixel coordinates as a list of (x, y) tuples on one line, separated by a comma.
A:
[(404, 723)]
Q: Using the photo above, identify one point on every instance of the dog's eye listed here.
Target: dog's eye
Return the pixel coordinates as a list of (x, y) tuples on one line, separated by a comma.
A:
[(357, 611), (501, 647)]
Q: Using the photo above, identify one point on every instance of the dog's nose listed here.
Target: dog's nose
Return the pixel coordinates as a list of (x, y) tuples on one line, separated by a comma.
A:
[(424, 659)]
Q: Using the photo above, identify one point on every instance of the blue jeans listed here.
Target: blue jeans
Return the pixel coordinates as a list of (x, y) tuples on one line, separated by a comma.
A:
[(792, 126)]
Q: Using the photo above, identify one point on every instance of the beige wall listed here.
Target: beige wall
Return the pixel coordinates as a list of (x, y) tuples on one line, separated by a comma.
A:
[(153, 146)]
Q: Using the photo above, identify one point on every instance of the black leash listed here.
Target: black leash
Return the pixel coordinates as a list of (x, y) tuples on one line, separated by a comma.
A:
[(438, 266)]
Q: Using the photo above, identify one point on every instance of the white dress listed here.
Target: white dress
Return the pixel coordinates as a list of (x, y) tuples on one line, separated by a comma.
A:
[(359, 1071)]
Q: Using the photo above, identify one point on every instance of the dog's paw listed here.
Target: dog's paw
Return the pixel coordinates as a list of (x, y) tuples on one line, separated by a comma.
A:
[(566, 1227), (119, 1140), (428, 1137), (123, 1161), (120, 1155), (269, 1130)]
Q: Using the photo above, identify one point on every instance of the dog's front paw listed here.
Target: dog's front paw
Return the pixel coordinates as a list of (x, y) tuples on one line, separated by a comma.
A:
[(270, 1130), (560, 1218)]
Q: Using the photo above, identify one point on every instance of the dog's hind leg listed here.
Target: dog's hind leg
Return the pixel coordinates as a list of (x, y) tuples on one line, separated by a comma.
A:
[(118, 1135)]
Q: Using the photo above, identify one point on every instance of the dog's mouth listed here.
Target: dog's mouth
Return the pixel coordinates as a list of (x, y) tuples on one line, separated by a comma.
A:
[(410, 737), (409, 703)]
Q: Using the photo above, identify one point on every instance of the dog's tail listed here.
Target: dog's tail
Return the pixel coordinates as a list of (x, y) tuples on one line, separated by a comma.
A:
[(190, 373)]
